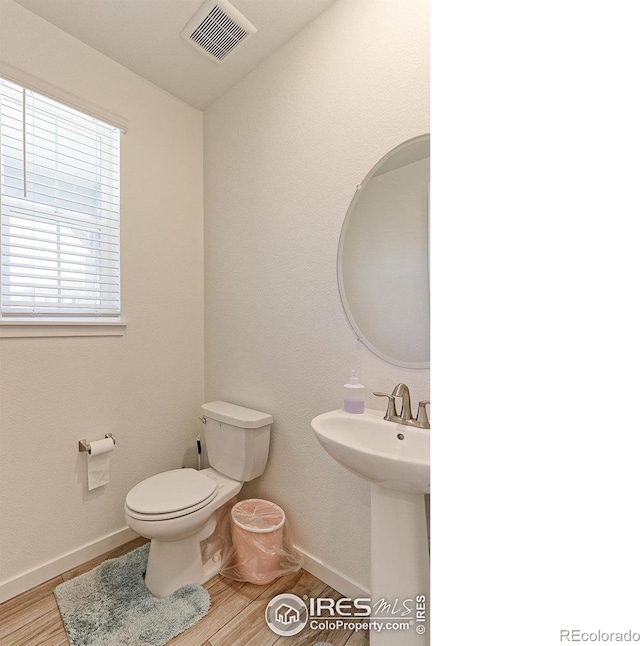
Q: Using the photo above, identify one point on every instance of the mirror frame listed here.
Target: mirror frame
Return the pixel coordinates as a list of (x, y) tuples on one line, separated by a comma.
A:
[(417, 365)]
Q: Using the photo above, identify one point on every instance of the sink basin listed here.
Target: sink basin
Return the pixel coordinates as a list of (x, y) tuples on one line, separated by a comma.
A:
[(370, 447), (400, 474)]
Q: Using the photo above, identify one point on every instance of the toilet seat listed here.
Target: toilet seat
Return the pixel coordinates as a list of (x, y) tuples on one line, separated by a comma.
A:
[(170, 495)]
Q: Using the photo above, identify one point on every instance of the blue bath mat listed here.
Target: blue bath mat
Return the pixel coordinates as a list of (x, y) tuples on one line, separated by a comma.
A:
[(111, 606)]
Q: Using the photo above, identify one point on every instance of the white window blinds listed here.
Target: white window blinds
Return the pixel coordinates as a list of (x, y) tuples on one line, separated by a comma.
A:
[(60, 179)]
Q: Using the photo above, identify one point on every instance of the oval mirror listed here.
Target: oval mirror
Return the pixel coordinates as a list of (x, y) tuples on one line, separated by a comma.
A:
[(383, 257)]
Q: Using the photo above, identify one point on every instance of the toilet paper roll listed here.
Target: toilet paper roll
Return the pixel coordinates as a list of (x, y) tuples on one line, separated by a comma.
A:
[(98, 463)]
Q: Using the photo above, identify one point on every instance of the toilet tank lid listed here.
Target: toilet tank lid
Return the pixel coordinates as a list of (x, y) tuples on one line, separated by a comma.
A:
[(236, 415)]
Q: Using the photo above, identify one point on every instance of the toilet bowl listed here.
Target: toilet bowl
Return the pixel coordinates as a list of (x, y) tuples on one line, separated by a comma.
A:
[(177, 509), (177, 527)]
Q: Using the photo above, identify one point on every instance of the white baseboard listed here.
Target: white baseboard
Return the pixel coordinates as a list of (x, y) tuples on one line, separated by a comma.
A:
[(30, 579), (338, 581), (27, 580)]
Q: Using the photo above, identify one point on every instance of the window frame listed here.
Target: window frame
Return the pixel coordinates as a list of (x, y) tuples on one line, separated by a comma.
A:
[(61, 325)]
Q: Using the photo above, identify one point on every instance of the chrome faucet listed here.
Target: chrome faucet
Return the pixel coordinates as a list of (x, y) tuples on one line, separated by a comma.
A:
[(405, 417), (402, 390)]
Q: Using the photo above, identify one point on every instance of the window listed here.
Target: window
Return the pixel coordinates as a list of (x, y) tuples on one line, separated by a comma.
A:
[(59, 211)]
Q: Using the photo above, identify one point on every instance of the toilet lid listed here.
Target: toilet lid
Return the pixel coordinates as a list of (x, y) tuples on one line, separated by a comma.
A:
[(170, 492)]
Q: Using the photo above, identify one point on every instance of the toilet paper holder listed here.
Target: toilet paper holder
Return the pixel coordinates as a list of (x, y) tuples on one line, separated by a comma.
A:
[(84, 446)]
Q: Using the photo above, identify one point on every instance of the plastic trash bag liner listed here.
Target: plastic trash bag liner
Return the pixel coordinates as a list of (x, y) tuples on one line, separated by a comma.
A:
[(255, 542)]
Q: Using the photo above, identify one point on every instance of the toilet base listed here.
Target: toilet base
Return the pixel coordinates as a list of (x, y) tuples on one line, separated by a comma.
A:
[(173, 564)]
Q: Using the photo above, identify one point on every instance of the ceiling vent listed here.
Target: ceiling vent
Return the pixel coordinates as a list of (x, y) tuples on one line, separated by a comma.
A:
[(217, 30)]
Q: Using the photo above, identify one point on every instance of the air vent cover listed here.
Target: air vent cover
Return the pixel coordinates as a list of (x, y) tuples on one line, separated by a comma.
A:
[(217, 30)]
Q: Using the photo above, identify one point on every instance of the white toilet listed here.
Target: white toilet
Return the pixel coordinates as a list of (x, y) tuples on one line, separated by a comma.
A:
[(177, 509)]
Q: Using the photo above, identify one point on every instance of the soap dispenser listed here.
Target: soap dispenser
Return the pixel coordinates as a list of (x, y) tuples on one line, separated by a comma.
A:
[(354, 395)]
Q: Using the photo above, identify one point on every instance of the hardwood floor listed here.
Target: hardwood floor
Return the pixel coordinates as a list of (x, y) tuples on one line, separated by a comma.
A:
[(236, 615)]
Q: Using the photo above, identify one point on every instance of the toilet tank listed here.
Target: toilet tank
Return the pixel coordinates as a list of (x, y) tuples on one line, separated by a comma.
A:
[(237, 439)]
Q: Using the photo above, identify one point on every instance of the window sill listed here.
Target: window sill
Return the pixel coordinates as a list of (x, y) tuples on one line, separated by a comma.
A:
[(24, 329)]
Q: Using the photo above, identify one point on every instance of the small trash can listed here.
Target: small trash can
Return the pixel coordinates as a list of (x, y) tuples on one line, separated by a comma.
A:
[(257, 532)]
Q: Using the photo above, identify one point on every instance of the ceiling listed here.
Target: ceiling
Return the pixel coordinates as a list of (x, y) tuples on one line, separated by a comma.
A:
[(144, 36)]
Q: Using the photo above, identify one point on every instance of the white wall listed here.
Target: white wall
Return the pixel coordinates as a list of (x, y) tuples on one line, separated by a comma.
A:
[(284, 151), (147, 386)]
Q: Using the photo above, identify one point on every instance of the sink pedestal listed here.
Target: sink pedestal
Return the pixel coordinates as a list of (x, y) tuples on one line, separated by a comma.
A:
[(396, 459), (399, 565)]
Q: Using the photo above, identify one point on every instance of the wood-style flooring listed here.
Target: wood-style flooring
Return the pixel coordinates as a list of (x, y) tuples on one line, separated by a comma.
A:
[(236, 616)]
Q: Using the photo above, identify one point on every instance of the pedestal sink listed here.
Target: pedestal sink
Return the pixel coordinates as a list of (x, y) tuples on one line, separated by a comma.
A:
[(396, 459)]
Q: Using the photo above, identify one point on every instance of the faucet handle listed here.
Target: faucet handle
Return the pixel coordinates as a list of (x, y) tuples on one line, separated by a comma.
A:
[(423, 416), (391, 406)]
